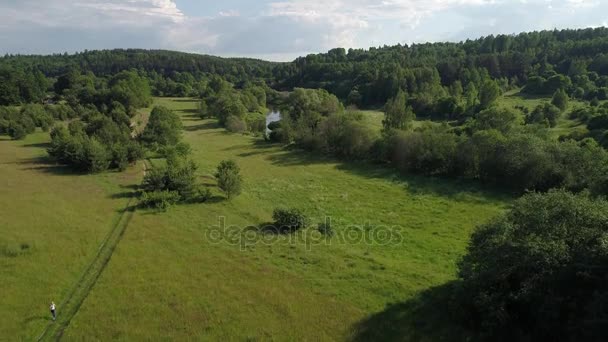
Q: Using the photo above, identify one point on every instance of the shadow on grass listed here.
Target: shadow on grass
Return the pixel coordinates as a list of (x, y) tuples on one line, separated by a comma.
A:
[(184, 100), (257, 144), (47, 165), (202, 126), (415, 184), (44, 145), (126, 194), (425, 317)]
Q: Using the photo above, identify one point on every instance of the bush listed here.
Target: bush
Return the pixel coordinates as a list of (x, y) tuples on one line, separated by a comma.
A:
[(203, 194), (235, 125), (537, 273), (229, 178), (289, 220), (160, 200)]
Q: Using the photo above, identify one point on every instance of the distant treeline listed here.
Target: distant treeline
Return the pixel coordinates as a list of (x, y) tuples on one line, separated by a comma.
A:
[(428, 73), (368, 77)]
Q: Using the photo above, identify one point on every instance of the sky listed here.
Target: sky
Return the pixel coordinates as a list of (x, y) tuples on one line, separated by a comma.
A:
[(278, 30)]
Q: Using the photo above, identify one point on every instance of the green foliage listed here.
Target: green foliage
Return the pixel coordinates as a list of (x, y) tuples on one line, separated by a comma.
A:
[(500, 119), (344, 135), (94, 146), (546, 114), (398, 115), (536, 273), (21, 85), (178, 176), (159, 200), (560, 100), (235, 125), (426, 152), (488, 94), (229, 178), (289, 220), (164, 128), (203, 194)]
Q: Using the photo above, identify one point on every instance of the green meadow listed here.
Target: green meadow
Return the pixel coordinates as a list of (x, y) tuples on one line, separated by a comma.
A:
[(52, 222), (179, 275)]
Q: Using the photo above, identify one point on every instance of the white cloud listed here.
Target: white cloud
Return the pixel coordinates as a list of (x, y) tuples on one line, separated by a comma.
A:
[(277, 28)]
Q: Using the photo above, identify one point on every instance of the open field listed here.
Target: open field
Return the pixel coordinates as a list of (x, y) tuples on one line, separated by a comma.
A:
[(52, 223), (171, 276)]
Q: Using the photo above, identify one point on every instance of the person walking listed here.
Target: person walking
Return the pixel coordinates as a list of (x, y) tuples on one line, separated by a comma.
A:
[(53, 310)]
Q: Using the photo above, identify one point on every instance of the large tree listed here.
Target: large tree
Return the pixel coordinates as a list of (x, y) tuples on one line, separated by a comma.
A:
[(540, 271)]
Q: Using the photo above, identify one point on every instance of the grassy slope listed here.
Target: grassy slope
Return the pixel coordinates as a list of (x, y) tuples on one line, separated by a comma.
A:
[(62, 217), (169, 278)]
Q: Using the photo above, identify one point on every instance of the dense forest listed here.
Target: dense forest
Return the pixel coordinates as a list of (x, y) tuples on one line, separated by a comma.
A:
[(552, 241)]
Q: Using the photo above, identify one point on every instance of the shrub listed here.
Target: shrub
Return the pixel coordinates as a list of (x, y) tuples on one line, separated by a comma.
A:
[(160, 200), (203, 194), (235, 125), (289, 220), (229, 178), (179, 176)]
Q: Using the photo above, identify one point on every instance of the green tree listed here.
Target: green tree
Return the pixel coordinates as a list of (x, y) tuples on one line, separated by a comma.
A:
[(164, 128), (397, 114), (501, 119), (229, 178), (538, 272), (488, 94), (560, 100)]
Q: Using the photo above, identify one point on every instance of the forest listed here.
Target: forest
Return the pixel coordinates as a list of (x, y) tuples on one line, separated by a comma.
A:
[(535, 272)]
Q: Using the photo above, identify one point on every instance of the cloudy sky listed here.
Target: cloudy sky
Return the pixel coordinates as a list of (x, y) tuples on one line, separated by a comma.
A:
[(274, 29)]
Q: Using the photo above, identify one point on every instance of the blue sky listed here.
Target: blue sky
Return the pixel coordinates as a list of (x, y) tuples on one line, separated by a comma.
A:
[(274, 29)]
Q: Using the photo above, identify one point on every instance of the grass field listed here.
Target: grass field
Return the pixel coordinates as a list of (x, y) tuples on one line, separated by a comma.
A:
[(171, 277), (51, 225)]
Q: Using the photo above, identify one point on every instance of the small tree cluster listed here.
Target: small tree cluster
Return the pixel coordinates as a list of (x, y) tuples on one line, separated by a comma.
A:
[(94, 146), (238, 110)]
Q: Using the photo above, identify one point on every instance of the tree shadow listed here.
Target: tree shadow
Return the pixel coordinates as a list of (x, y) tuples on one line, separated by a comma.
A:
[(291, 156), (425, 317), (191, 112), (206, 125), (454, 188), (126, 195), (184, 100), (47, 165), (44, 145)]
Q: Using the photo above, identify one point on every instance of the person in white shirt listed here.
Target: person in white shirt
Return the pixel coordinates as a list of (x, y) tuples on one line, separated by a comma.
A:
[(53, 310)]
